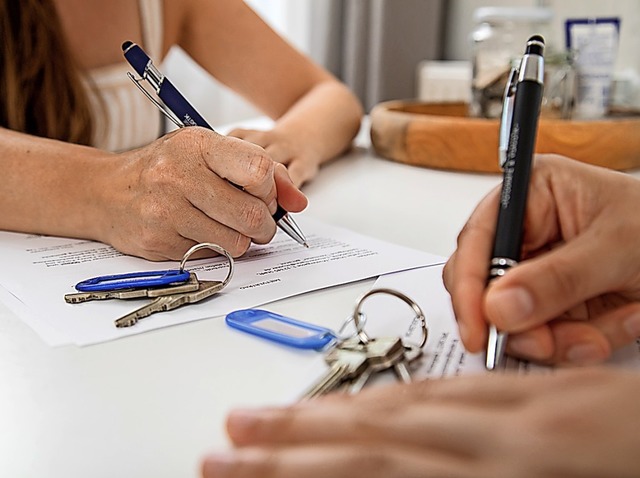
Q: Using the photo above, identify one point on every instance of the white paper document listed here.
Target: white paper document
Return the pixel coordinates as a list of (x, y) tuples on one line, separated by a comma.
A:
[(38, 270)]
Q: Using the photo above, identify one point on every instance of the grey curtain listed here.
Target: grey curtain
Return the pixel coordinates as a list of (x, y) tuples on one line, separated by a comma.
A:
[(374, 46)]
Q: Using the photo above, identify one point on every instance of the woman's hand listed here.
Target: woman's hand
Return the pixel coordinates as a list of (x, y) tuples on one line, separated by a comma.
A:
[(161, 199), (572, 423), (575, 295)]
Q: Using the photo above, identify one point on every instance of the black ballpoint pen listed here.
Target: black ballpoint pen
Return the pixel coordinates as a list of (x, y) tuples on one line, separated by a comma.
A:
[(182, 114), (518, 128)]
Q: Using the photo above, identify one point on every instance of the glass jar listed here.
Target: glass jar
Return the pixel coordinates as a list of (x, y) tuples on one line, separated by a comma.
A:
[(560, 85), (498, 42)]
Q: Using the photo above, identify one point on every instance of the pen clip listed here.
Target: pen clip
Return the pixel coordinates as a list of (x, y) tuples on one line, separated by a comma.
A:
[(507, 116), (166, 111)]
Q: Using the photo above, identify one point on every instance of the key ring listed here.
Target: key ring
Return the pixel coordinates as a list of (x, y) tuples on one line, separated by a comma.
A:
[(342, 333), (359, 323), (214, 247)]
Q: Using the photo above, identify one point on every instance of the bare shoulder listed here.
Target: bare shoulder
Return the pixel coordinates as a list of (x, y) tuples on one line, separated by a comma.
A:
[(181, 15)]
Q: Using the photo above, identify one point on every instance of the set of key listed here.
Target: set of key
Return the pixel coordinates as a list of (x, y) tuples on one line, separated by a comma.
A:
[(165, 298), (354, 360), (352, 363)]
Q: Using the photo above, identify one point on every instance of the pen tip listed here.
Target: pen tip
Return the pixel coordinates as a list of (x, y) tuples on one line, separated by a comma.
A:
[(126, 45), (305, 244)]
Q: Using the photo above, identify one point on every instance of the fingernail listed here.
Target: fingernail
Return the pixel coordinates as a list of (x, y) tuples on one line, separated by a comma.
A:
[(463, 331), (632, 325), (510, 306), (526, 346), (219, 465), (585, 354)]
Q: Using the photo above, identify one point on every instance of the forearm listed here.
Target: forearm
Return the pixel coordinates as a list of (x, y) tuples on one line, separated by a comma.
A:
[(50, 187), (325, 120)]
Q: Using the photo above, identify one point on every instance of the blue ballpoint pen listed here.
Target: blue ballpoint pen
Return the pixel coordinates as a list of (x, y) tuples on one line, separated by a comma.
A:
[(518, 127), (180, 112)]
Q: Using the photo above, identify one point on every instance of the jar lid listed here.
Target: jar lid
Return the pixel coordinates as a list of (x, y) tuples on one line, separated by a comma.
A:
[(535, 14)]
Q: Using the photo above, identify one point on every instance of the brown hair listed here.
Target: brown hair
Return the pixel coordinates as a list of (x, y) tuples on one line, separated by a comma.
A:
[(41, 91)]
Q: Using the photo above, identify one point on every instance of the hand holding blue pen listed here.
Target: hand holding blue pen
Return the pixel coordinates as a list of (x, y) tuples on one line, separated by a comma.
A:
[(182, 113)]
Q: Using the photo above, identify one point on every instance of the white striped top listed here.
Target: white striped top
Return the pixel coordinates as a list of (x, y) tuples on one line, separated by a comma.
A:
[(124, 117)]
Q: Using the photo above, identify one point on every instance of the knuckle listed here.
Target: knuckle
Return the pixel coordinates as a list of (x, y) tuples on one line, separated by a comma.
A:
[(239, 245), (192, 139), (161, 172), (161, 176), (267, 238), (563, 281), (193, 135), (253, 216), (259, 167)]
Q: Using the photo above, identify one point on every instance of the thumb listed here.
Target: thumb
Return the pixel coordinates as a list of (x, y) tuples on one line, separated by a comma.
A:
[(543, 288), (301, 171)]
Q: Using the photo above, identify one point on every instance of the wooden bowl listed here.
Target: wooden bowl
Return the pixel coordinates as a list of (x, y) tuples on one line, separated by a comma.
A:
[(443, 136)]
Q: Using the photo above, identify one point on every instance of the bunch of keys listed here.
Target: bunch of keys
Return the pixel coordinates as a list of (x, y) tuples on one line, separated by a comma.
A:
[(352, 360), (169, 289)]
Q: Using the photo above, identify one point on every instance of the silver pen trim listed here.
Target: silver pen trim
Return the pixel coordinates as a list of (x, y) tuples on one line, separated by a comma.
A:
[(153, 76), (532, 69), (495, 348), (497, 342), (288, 225), (507, 117)]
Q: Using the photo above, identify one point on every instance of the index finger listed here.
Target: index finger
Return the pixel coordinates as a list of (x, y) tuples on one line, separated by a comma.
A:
[(466, 272), (244, 164)]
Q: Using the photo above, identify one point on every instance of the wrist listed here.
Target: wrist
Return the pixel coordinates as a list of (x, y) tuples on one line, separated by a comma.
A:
[(109, 196)]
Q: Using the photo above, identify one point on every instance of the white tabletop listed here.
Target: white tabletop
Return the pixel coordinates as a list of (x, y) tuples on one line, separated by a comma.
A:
[(151, 405)]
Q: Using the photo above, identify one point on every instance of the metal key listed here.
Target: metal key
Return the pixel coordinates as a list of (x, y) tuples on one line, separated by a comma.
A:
[(191, 285), (344, 365), (382, 353), (411, 352), (386, 352), (169, 302)]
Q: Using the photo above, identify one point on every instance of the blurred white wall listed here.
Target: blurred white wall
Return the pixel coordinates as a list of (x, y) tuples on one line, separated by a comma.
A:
[(292, 19)]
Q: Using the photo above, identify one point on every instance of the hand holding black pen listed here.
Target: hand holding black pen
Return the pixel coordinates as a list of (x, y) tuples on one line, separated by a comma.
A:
[(518, 128), (183, 114)]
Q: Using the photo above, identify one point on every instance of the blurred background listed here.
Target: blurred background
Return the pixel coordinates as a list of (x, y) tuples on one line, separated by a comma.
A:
[(399, 49)]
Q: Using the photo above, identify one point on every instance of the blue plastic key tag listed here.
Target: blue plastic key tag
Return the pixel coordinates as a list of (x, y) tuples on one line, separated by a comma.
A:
[(281, 329), (134, 280)]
